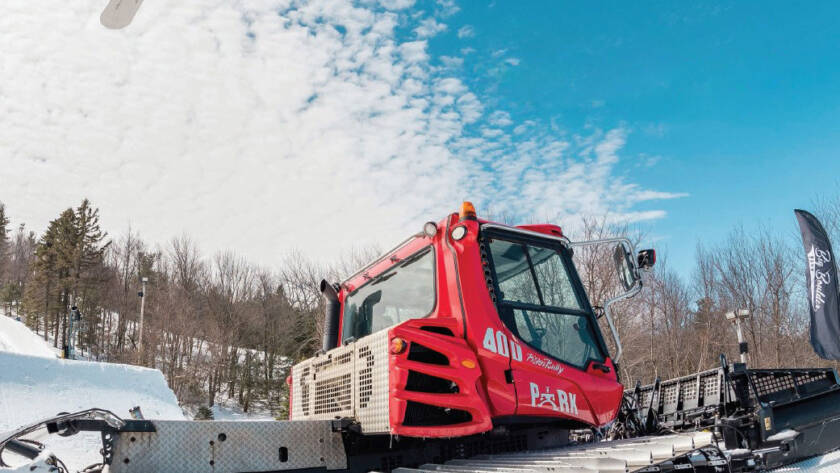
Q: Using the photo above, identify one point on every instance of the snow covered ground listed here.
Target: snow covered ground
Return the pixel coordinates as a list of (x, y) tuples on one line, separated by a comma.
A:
[(15, 337), (230, 411), (34, 384)]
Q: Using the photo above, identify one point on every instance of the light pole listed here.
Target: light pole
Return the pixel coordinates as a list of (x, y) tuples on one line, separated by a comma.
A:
[(142, 295), (736, 317)]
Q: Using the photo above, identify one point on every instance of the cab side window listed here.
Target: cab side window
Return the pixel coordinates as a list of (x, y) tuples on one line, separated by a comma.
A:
[(404, 292)]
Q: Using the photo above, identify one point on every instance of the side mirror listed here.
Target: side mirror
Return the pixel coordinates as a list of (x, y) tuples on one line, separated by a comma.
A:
[(646, 259), (624, 266)]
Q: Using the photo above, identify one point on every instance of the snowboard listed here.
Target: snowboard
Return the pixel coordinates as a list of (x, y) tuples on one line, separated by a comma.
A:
[(119, 13)]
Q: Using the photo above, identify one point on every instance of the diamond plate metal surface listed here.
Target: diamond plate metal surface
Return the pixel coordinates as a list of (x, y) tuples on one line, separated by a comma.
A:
[(348, 381), (229, 447)]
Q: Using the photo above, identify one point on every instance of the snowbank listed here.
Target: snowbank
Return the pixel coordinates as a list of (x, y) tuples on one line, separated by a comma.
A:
[(33, 388), (15, 337)]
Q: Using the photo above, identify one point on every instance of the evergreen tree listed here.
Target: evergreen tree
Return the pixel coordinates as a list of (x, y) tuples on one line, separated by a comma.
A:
[(204, 413), (67, 271), (4, 245), (6, 289), (86, 274), (44, 295)]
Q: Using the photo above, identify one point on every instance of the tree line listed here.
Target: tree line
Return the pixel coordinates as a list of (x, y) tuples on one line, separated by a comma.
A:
[(220, 328), (677, 326), (225, 330)]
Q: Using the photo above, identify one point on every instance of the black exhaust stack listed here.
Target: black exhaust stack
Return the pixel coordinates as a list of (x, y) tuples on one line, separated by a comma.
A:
[(331, 309)]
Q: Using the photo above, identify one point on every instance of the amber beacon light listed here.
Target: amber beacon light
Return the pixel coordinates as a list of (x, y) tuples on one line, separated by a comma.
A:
[(467, 211)]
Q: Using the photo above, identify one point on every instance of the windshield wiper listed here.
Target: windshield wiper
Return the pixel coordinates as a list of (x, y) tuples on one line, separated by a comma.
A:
[(388, 275), (412, 259), (382, 278)]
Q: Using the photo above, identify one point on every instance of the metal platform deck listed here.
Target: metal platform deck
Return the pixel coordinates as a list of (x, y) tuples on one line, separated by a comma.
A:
[(612, 457)]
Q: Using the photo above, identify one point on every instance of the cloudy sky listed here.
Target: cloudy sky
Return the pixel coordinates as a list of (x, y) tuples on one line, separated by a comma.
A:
[(323, 125)]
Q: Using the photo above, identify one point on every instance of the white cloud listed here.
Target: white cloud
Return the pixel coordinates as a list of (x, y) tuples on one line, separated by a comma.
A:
[(646, 160), (452, 62), (500, 118), (512, 61), (261, 131), (524, 127), (466, 31), (447, 7), (396, 4), (451, 86), (470, 107), (429, 27), (414, 51)]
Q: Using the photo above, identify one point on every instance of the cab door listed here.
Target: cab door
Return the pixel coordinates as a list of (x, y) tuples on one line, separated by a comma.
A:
[(547, 387), (559, 366)]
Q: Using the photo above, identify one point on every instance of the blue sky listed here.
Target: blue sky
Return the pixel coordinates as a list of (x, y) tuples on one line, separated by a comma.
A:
[(736, 104), (249, 124)]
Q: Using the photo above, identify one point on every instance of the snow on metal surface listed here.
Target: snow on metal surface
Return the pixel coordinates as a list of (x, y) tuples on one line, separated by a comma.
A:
[(828, 463), (786, 434)]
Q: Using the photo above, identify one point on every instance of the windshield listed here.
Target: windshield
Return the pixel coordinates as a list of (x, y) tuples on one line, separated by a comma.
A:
[(540, 299), (406, 291)]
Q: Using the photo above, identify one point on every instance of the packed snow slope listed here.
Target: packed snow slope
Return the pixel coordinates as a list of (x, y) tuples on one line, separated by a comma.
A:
[(34, 386), (15, 337)]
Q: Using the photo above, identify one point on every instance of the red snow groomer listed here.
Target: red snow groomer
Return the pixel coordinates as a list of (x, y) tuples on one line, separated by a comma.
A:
[(472, 347), (465, 326)]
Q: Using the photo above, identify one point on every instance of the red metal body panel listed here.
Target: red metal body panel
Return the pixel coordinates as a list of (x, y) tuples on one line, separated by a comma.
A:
[(512, 381), (470, 397)]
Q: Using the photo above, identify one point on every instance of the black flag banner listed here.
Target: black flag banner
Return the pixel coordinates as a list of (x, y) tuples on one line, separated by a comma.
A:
[(821, 277)]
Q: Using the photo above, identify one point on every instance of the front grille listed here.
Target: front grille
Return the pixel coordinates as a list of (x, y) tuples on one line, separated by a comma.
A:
[(347, 382), (424, 383), (438, 330), (424, 354), (418, 414), (334, 395), (304, 391), (365, 375)]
